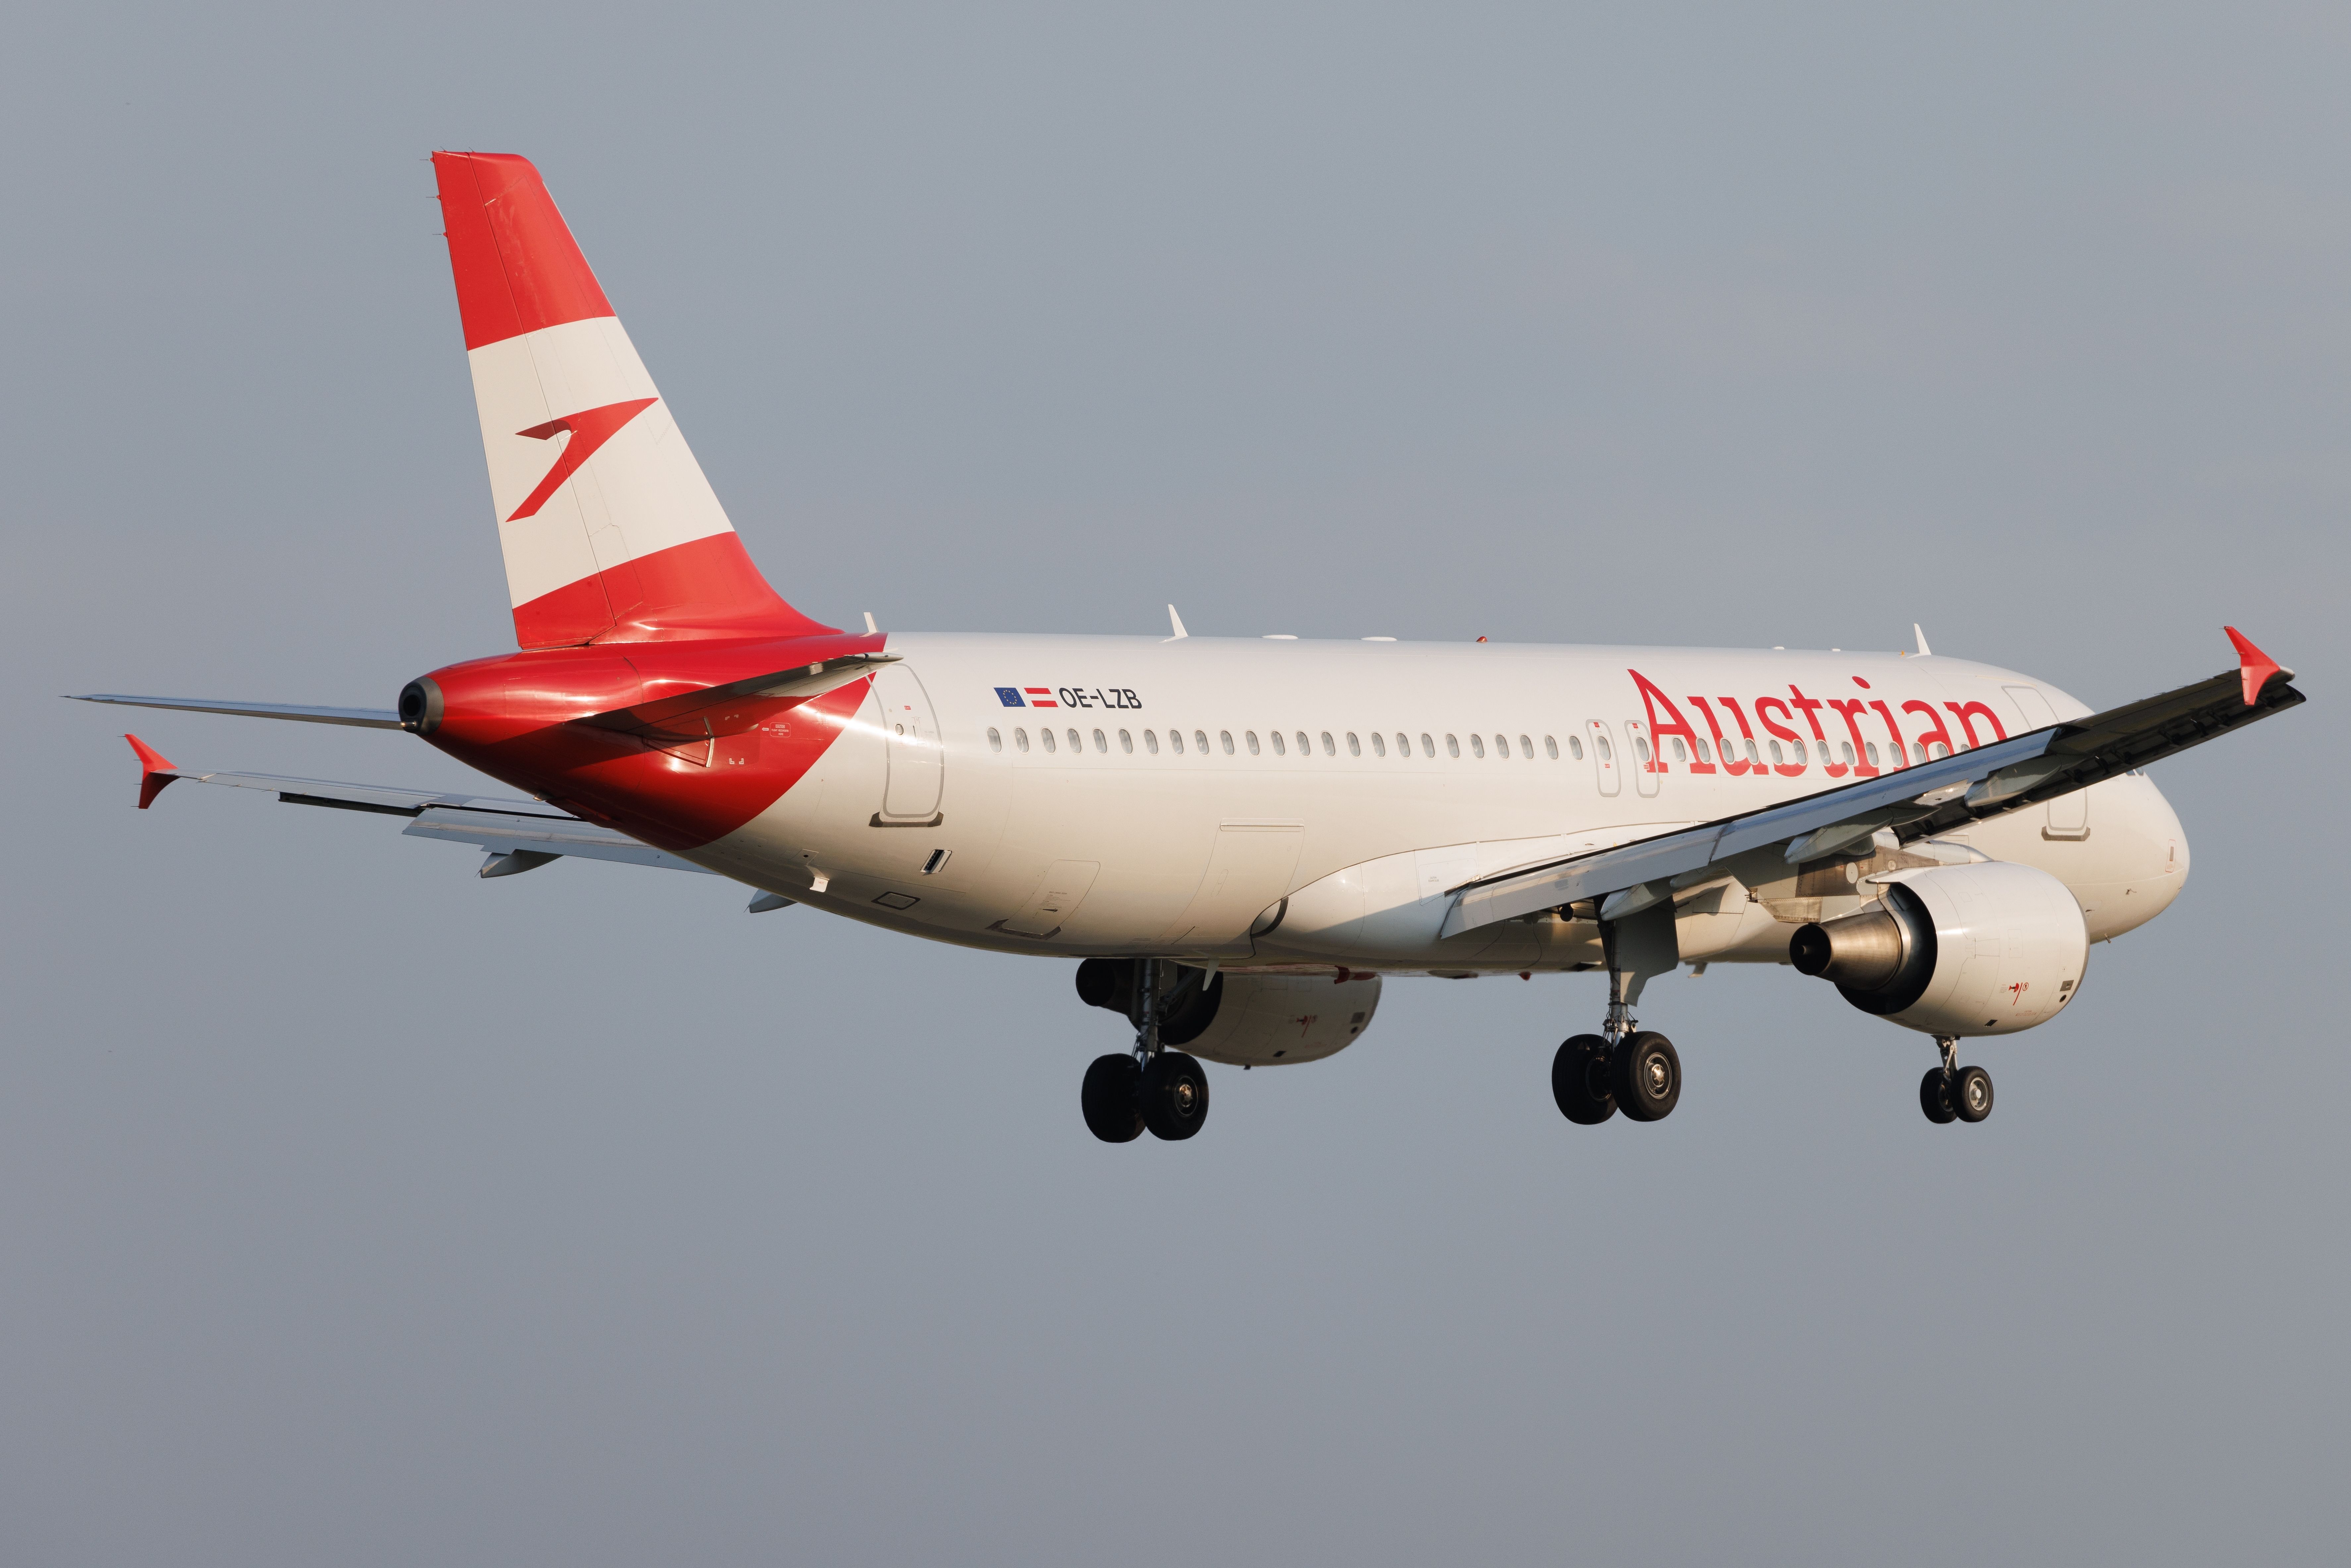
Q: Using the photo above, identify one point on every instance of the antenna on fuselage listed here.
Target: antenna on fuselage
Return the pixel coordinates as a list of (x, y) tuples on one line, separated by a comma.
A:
[(1177, 621), (1918, 631)]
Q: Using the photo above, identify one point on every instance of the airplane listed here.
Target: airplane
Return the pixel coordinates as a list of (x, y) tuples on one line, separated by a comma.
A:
[(1241, 839)]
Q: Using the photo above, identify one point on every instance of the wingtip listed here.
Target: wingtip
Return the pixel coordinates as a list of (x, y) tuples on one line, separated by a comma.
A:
[(156, 770), (2254, 666)]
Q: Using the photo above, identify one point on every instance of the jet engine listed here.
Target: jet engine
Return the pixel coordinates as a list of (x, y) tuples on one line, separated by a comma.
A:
[(1241, 1020), (1989, 948)]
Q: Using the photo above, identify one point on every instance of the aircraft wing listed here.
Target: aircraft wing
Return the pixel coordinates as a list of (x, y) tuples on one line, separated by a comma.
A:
[(1911, 802), (519, 835)]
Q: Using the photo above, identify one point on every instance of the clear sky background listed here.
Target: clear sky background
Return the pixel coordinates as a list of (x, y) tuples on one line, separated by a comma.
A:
[(355, 1210)]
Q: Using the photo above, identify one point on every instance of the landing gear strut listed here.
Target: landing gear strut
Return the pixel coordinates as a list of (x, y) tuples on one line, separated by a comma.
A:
[(1951, 1092), (1625, 1067), (1150, 1087)]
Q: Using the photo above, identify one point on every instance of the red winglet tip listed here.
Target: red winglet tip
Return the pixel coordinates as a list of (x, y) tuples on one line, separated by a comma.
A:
[(2255, 666), (156, 771)]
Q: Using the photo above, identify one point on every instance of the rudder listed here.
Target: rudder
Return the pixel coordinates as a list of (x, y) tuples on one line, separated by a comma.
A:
[(609, 530)]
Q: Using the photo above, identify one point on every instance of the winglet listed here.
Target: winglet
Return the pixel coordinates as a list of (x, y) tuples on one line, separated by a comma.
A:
[(155, 771), (2256, 666)]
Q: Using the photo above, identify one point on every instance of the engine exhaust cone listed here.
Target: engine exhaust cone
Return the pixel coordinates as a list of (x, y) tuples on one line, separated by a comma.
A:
[(1861, 952)]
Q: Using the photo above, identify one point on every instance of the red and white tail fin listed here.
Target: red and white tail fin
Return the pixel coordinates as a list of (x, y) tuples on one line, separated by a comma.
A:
[(610, 532)]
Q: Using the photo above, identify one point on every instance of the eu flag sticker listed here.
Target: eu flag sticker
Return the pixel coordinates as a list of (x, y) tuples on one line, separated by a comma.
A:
[(1009, 696)]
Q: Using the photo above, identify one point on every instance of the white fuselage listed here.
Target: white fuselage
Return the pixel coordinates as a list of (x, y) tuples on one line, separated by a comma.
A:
[(1345, 789)]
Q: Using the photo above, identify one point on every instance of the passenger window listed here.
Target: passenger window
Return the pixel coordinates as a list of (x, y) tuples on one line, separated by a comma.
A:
[(1330, 750), (1799, 746), (1918, 749), (1277, 751), (1700, 744), (1476, 745), (1871, 748), (1752, 760), (1550, 747), (1101, 742), (1681, 753), (1938, 750), (1403, 744), (1607, 752), (1379, 746), (995, 740), (1226, 737), (1640, 746), (1502, 747), (1047, 737), (1452, 747), (1200, 742), (1527, 750), (1777, 760), (1847, 749), (1126, 743), (1575, 749), (1250, 736), (1428, 746), (1151, 741), (1021, 739)]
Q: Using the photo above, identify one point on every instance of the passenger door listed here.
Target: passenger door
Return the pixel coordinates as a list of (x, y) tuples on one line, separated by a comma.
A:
[(1605, 761), (1645, 777)]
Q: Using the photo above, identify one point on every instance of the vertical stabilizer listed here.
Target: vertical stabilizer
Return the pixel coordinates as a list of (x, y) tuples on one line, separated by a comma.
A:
[(609, 530)]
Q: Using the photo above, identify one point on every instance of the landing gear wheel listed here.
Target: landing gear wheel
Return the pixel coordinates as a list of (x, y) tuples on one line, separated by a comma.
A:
[(1972, 1094), (1934, 1096), (1174, 1095), (1647, 1076), (1579, 1081), (1112, 1099)]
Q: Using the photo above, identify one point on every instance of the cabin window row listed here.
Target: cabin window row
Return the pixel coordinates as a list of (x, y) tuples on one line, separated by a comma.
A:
[(1922, 752), (1299, 742), (1286, 742)]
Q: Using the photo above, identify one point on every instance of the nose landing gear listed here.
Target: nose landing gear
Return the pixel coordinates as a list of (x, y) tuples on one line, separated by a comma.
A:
[(1951, 1092), (1164, 1091)]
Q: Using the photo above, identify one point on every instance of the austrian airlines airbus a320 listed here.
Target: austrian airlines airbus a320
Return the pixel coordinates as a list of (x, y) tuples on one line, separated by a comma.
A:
[(1241, 839)]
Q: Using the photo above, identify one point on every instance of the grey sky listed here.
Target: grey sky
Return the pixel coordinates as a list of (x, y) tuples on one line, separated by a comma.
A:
[(355, 1210)]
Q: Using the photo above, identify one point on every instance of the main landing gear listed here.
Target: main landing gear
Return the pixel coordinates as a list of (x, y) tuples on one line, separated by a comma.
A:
[(1623, 1068), (1164, 1091), (1951, 1092)]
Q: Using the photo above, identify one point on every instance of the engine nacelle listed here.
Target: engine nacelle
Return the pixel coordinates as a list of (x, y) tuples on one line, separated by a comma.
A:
[(1242, 1020), (1989, 948)]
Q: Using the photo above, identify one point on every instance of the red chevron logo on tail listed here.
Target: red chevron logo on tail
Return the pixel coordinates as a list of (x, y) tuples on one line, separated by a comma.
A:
[(588, 429)]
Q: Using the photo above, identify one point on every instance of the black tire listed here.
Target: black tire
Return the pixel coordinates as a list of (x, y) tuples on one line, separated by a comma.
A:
[(1579, 1081), (1647, 1076), (1112, 1099), (1175, 1096), (1934, 1096), (1972, 1094)]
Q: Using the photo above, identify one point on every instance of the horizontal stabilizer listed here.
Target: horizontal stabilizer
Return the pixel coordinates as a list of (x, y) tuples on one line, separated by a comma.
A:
[(530, 831), (365, 718)]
